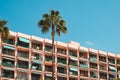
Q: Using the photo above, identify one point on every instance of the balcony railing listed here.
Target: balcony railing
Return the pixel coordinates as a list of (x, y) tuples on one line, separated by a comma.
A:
[(23, 54), (102, 67), (36, 65), (71, 53), (23, 42), (48, 48), (22, 64), (61, 61), (61, 51), (10, 41), (61, 71), (20, 77), (85, 66), (103, 59), (73, 73), (111, 61), (8, 51), (47, 68), (93, 75), (103, 75), (9, 64), (84, 74), (48, 59), (93, 58), (118, 62), (73, 63), (35, 77), (37, 46), (7, 73)]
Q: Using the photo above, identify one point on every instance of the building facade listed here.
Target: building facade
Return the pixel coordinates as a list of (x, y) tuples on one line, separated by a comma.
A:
[(25, 57)]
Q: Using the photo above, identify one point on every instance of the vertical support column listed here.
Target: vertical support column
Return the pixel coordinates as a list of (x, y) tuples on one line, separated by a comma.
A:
[(0, 57), (116, 65), (30, 58), (88, 63), (43, 60), (107, 66), (15, 76), (55, 64), (78, 62), (67, 62), (98, 65)]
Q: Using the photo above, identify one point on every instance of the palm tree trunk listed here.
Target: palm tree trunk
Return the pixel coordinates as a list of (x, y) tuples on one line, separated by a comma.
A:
[(53, 49)]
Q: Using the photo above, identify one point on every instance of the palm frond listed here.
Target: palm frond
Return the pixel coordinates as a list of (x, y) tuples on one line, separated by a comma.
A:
[(45, 29), (63, 29)]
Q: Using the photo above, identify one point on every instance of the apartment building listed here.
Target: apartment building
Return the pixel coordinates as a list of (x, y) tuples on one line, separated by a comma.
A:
[(25, 57)]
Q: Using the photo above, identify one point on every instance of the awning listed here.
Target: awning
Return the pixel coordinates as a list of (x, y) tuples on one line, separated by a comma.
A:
[(35, 61), (37, 51), (24, 40), (73, 69), (50, 75), (9, 47), (112, 68), (8, 58), (118, 75), (73, 58)]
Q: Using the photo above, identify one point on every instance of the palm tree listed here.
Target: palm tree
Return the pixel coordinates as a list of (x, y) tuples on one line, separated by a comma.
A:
[(57, 25), (4, 31)]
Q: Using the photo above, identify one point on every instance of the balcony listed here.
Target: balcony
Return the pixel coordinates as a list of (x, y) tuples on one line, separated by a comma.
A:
[(35, 76), (83, 54), (23, 54), (36, 56), (61, 51), (73, 63), (112, 69), (83, 65), (111, 76), (48, 68), (48, 58), (8, 62), (61, 70), (102, 58), (8, 50), (93, 74), (73, 53), (48, 77), (37, 46), (22, 64), (118, 62), (93, 65), (7, 73), (22, 76), (10, 41), (118, 69), (61, 60), (83, 79), (102, 67), (61, 78), (48, 48), (73, 79), (23, 42), (83, 73), (73, 71), (36, 66), (111, 60), (93, 56), (103, 75)]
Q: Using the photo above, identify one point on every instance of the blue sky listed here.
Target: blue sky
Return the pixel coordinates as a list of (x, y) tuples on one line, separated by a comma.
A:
[(92, 23)]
